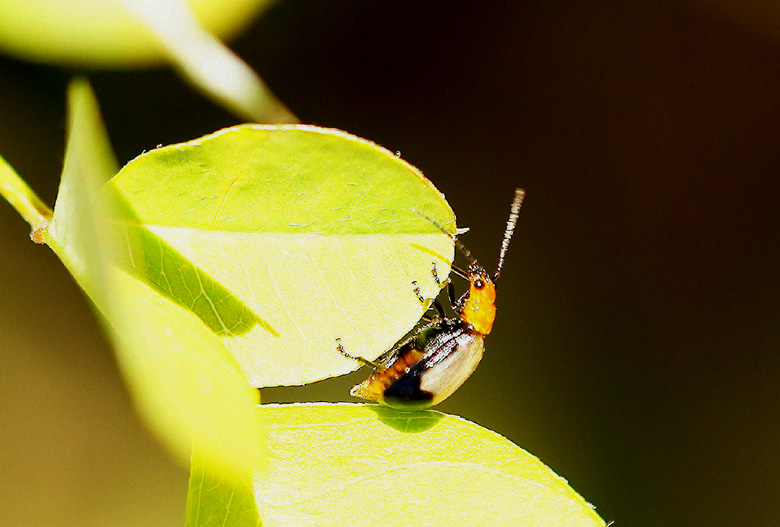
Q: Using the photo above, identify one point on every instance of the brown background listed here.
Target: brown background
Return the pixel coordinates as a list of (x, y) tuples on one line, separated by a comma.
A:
[(636, 347)]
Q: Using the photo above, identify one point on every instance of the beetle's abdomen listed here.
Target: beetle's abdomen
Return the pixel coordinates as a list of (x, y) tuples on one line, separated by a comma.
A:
[(428, 369), (389, 373)]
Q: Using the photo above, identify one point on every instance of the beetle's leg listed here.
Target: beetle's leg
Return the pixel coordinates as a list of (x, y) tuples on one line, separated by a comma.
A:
[(361, 360), (458, 305), (437, 305), (451, 293), (435, 273), (434, 304), (417, 293), (439, 311), (419, 296)]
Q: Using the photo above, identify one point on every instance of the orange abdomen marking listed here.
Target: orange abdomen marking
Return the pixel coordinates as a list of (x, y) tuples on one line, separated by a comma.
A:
[(374, 387)]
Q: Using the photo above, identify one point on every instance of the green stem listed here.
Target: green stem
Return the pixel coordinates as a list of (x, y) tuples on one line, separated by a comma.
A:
[(21, 197)]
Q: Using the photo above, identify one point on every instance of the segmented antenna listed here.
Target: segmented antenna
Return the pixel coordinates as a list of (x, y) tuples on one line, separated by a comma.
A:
[(465, 252), (510, 230)]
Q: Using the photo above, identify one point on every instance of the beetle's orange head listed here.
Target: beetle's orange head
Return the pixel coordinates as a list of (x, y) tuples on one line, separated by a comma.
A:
[(480, 307)]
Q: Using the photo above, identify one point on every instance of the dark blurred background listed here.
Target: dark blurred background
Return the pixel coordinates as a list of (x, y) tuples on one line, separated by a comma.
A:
[(636, 346)]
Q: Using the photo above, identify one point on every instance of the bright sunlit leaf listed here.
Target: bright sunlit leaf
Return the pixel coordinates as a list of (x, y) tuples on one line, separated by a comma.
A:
[(184, 383), (346, 464), (282, 239)]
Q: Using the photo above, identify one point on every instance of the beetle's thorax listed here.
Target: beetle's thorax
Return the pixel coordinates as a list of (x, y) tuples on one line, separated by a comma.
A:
[(479, 310)]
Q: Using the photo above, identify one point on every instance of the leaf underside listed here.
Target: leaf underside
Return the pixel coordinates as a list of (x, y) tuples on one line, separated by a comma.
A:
[(283, 239)]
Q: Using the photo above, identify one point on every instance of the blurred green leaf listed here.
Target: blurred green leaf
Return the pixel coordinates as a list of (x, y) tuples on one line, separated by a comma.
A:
[(183, 381), (209, 65), (102, 33), (122, 33), (346, 464), (311, 235)]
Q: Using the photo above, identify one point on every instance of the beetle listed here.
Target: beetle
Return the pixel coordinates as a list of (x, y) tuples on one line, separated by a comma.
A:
[(429, 366)]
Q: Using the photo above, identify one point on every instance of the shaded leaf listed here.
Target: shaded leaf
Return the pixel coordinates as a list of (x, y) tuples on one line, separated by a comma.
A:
[(172, 275)]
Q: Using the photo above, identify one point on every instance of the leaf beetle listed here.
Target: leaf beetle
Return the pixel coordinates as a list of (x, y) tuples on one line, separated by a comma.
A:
[(430, 365)]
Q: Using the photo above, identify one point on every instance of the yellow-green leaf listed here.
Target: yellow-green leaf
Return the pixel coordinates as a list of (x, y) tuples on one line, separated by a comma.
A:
[(282, 239), (345, 464)]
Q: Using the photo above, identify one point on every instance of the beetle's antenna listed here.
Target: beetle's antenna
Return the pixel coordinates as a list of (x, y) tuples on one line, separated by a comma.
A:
[(510, 230), (462, 248)]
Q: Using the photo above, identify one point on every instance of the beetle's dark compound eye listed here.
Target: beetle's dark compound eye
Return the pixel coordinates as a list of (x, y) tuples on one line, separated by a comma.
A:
[(478, 283)]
